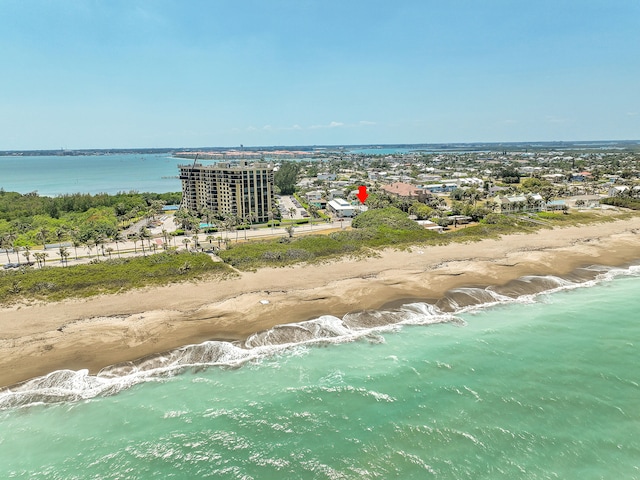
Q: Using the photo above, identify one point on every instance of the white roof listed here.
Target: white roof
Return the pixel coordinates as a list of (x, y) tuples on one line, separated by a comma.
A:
[(340, 204)]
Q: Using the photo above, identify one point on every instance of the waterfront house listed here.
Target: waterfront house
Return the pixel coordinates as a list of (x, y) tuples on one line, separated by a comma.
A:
[(521, 203)]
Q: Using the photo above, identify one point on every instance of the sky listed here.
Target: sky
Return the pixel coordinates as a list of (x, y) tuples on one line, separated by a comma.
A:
[(80, 74)]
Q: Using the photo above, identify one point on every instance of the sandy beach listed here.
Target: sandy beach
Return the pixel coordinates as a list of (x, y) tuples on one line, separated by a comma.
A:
[(101, 331)]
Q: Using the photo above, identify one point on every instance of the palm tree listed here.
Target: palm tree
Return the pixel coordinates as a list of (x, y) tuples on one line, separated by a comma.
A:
[(292, 211), (75, 240), (139, 237), (530, 202), (313, 210), (100, 240), (248, 219), (165, 236), (7, 242), (473, 194), (289, 230), (109, 250), (62, 251), (42, 236), (38, 259), (196, 243), (27, 253), (60, 233), (181, 218), (186, 242), (41, 258), (135, 239), (207, 215), (117, 238)]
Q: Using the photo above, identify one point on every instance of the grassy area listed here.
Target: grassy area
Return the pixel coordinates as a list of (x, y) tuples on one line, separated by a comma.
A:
[(557, 219), (377, 229), (111, 276), (374, 230), (625, 202)]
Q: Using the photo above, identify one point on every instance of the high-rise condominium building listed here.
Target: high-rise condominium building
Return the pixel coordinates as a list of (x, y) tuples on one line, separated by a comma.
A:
[(225, 188)]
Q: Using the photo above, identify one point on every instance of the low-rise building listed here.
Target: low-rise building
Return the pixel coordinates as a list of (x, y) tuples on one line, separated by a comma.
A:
[(341, 208), (521, 203), (326, 176), (617, 190), (441, 187), (406, 191)]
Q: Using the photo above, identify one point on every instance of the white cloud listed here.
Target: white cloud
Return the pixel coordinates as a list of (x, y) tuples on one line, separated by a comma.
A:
[(330, 125)]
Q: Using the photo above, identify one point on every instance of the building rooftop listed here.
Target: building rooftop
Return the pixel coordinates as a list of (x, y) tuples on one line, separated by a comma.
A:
[(402, 189)]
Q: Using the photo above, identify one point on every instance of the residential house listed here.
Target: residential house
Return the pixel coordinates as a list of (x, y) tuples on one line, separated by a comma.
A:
[(315, 197), (406, 191), (521, 203), (326, 176), (441, 187), (617, 190)]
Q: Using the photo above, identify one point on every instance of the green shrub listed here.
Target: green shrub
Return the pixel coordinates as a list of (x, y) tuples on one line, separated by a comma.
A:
[(56, 283), (390, 216), (624, 202)]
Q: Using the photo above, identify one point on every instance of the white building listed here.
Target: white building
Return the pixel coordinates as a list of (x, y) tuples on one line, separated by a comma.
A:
[(341, 208), (521, 203), (326, 176)]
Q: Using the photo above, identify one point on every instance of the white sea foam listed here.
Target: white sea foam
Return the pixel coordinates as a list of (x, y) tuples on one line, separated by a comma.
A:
[(68, 385)]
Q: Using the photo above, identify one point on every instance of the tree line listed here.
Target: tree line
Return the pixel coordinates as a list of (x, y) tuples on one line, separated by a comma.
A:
[(29, 219)]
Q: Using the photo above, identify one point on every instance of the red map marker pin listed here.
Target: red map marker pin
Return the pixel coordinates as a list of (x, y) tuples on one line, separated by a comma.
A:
[(362, 193)]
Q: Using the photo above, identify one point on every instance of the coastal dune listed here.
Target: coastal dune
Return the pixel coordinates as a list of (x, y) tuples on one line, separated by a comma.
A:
[(101, 331)]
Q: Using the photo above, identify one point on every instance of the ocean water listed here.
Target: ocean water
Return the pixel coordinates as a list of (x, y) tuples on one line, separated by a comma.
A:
[(517, 385), (56, 175)]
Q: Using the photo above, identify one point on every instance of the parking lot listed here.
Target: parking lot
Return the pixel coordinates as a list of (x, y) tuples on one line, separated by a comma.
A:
[(287, 202)]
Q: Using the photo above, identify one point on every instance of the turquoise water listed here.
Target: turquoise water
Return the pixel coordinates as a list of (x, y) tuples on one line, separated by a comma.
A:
[(539, 388), (56, 175)]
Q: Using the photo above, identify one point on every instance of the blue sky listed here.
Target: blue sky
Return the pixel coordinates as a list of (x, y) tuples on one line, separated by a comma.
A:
[(165, 73)]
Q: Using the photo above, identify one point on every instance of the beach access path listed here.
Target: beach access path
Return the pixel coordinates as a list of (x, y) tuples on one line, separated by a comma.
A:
[(100, 331)]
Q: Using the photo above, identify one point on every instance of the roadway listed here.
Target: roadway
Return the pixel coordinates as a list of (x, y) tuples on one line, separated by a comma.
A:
[(129, 248)]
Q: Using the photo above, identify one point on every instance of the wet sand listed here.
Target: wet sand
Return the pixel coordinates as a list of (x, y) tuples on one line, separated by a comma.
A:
[(101, 331)]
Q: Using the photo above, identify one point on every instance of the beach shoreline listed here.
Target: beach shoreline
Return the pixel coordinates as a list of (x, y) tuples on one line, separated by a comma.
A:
[(101, 331)]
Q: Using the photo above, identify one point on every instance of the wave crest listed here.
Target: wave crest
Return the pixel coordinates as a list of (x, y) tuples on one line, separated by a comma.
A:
[(68, 385)]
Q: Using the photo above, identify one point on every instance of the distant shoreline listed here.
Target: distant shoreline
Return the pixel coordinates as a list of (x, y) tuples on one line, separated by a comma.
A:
[(101, 331), (443, 146)]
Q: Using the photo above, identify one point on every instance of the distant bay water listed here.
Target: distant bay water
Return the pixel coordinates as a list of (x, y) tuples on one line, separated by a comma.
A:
[(58, 175)]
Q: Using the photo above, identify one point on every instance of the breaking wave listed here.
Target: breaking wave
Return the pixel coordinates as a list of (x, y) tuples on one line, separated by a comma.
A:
[(366, 325)]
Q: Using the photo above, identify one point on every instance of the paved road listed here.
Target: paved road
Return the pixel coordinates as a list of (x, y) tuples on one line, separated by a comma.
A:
[(130, 249)]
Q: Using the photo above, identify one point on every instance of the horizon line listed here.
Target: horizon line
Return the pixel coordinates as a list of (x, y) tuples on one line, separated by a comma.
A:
[(324, 146)]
